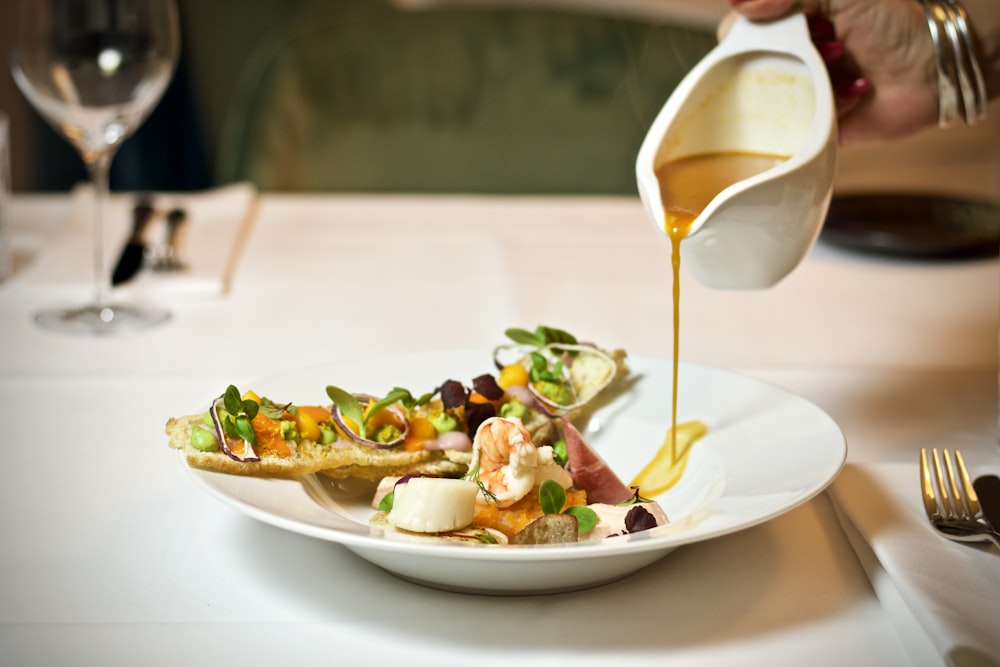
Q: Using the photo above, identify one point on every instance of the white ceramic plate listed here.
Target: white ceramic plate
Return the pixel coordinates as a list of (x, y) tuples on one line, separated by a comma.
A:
[(767, 451)]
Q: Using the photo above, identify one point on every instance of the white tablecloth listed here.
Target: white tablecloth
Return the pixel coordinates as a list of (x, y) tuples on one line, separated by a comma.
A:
[(112, 556)]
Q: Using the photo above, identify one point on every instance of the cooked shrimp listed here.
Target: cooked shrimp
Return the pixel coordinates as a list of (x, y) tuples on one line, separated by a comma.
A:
[(508, 464)]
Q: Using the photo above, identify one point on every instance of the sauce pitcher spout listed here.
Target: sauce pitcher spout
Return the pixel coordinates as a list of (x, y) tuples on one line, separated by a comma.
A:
[(740, 161)]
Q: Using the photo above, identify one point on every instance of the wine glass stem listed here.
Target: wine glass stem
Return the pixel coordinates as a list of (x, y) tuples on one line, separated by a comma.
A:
[(98, 167)]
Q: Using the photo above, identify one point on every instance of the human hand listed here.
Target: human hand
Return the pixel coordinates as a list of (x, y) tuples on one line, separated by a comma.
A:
[(880, 57)]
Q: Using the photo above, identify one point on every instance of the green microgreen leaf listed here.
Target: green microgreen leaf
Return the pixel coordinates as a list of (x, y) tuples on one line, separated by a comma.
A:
[(232, 400), (244, 429), (586, 518), (551, 496), (553, 335), (408, 400), (635, 499), (541, 336), (385, 505), (541, 371), (486, 538), (524, 337), (273, 410), (349, 406), (238, 414), (390, 398), (559, 454), (251, 408)]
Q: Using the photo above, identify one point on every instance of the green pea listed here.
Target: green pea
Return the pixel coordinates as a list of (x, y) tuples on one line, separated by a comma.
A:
[(203, 439), (444, 422), (326, 434), (513, 409)]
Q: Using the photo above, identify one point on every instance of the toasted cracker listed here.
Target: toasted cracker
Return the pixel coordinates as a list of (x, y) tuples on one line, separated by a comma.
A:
[(350, 460)]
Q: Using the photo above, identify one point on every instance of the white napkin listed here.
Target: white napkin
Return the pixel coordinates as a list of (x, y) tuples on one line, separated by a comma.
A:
[(942, 597), (218, 222)]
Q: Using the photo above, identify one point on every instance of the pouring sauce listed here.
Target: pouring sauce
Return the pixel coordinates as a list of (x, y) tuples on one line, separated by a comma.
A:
[(687, 186)]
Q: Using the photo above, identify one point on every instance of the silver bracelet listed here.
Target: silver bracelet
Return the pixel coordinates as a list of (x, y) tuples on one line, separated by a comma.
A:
[(961, 87)]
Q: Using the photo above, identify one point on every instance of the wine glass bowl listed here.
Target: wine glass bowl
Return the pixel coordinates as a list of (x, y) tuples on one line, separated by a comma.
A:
[(95, 69)]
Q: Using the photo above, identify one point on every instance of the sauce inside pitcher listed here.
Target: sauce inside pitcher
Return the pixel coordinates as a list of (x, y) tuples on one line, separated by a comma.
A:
[(688, 184)]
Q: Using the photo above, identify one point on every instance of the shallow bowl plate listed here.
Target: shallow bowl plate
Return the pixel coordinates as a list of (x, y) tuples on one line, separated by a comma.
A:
[(767, 451)]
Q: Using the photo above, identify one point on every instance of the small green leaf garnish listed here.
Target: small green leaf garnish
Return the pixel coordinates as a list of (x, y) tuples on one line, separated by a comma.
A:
[(235, 404), (349, 406), (541, 372), (524, 337), (552, 499), (273, 410), (540, 337), (385, 505), (553, 335), (635, 499), (239, 413), (586, 518), (392, 397), (486, 538), (559, 454), (472, 475), (408, 400), (551, 496)]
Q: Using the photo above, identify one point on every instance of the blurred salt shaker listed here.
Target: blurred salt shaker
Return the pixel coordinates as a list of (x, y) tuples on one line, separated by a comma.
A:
[(5, 250)]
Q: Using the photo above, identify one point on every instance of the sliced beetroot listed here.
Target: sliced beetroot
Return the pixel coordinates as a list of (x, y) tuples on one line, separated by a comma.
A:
[(453, 394)]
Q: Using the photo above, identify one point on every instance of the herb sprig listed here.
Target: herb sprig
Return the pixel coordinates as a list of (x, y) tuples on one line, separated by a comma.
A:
[(239, 415)]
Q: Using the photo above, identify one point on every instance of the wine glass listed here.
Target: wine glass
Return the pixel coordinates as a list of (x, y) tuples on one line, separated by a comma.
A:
[(94, 69)]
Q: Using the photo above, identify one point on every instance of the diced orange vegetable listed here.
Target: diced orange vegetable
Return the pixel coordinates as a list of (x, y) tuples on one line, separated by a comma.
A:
[(317, 412), (269, 438), (422, 427), (421, 430), (381, 418), (307, 426)]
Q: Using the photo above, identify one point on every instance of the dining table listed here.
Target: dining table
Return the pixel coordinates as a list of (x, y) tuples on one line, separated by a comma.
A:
[(113, 554)]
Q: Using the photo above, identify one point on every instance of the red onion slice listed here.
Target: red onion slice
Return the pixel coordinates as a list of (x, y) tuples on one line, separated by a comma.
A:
[(220, 434), (366, 400)]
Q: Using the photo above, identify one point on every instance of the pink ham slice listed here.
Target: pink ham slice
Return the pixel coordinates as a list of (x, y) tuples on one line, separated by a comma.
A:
[(590, 472)]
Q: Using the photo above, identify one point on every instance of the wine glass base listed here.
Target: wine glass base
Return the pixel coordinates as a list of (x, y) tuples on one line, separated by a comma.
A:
[(109, 320)]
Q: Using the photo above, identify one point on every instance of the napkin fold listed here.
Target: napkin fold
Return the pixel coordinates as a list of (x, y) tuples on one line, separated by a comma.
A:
[(942, 597), (218, 222)]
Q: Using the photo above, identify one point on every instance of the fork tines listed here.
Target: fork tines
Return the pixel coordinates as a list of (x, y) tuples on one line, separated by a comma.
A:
[(954, 498)]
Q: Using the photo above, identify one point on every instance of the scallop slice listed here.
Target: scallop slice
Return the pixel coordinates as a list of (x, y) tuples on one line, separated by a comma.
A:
[(433, 504)]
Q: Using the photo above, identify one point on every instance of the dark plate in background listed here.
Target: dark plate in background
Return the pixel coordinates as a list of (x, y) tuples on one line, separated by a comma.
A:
[(914, 225)]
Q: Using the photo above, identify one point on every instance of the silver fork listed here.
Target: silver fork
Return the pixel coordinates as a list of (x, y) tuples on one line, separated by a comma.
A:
[(953, 508)]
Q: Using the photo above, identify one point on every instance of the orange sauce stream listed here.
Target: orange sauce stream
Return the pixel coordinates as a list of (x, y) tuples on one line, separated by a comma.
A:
[(687, 186)]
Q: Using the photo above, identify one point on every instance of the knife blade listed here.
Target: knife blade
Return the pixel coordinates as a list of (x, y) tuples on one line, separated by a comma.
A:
[(987, 488), (131, 257)]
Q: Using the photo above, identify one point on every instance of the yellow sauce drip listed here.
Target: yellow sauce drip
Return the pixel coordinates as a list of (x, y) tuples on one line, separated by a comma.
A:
[(687, 186), (667, 467)]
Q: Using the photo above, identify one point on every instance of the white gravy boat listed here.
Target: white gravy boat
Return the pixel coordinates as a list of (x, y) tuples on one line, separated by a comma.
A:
[(763, 89)]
